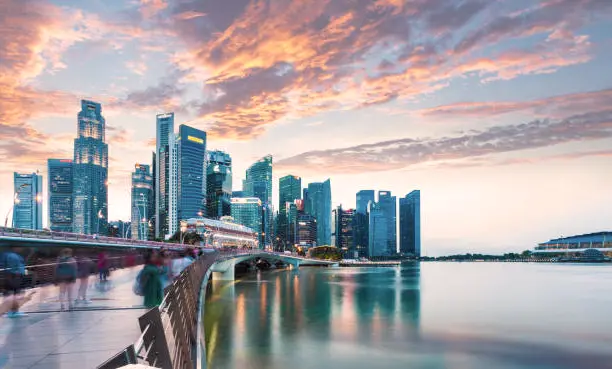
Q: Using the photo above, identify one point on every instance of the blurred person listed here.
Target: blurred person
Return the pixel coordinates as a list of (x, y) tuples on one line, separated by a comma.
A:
[(66, 275), (85, 267), (151, 280), (164, 261), (103, 266), (14, 272), (178, 265), (7, 305)]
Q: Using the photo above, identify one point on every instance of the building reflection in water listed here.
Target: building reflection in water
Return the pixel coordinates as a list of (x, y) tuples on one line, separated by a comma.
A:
[(311, 317)]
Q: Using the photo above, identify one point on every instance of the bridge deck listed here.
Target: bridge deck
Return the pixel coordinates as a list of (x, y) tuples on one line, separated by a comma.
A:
[(84, 338)]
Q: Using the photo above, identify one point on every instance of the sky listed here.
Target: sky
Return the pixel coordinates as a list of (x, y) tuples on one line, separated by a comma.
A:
[(500, 112)]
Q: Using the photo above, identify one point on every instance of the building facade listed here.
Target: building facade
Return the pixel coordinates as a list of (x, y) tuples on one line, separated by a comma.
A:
[(289, 190), (306, 231), (388, 204), (344, 230), (218, 185), (361, 219), (161, 170), (90, 172), (28, 197), (191, 144), (410, 224), (247, 211), (319, 206), (142, 202), (363, 199), (378, 244), (60, 194), (258, 183)]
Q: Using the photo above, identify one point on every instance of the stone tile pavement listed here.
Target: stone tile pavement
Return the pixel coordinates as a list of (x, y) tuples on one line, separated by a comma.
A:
[(83, 338)]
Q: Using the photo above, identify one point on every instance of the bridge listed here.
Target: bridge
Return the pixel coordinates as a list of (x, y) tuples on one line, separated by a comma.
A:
[(89, 328)]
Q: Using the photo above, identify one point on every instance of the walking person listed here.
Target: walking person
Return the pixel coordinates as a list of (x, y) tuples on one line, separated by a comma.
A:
[(66, 275), (150, 280), (85, 267), (103, 266), (178, 265), (165, 263), (14, 271)]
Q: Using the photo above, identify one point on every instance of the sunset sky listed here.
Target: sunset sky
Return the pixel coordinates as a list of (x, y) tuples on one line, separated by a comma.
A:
[(500, 112)]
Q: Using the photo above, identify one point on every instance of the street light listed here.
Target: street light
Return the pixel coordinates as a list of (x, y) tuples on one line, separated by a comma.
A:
[(100, 216), (15, 201)]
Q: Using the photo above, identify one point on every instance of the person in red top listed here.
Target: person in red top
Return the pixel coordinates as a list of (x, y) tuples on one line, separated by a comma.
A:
[(103, 266)]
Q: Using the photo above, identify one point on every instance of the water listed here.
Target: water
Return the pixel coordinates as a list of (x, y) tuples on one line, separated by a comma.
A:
[(436, 315)]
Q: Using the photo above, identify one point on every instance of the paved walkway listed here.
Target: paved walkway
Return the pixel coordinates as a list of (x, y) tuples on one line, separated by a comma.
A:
[(84, 338)]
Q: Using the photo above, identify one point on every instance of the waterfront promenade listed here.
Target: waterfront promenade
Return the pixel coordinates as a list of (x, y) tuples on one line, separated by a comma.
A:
[(83, 338)]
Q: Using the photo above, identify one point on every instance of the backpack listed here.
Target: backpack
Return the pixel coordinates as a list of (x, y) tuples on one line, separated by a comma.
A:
[(66, 267), (138, 286)]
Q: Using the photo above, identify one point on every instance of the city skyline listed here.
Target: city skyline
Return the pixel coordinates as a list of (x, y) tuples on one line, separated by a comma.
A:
[(484, 113)]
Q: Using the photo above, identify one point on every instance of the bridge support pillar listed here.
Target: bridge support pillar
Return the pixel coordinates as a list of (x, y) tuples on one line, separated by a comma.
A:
[(227, 275)]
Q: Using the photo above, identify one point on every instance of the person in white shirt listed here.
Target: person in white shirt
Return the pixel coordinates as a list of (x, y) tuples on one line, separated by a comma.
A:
[(178, 265)]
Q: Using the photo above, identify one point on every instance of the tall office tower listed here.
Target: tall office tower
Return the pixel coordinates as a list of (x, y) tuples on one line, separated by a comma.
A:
[(319, 206), (142, 202), (218, 184), (361, 239), (290, 189), (191, 151), (60, 194), (363, 199), (388, 204), (90, 172), (258, 183), (344, 230), (306, 231), (161, 170), (410, 224), (306, 201), (173, 194), (248, 212), (153, 222), (378, 235), (292, 216), (238, 194), (27, 208)]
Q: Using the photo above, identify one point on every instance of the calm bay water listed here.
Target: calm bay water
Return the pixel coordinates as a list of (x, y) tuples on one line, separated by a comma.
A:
[(432, 315)]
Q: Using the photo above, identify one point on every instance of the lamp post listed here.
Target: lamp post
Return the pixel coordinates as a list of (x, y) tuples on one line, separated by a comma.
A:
[(15, 201), (144, 218), (100, 216)]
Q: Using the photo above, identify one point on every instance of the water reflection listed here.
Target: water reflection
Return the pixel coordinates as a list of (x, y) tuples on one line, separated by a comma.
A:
[(305, 317)]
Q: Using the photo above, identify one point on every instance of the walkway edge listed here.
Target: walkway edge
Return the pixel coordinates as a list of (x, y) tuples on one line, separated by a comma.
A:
[(200, 359)]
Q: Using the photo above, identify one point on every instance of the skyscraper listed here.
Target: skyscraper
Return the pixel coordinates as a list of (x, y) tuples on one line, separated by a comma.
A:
[(344, 230), (378, 235), (363, 199), (90, 172), (60, 194), (258, 183), (306, 231), (361, 220), (27, 208), (248, 212), (142, 201), (319, 206), (161, 170), (191, 145), (410, 224), (388, 204), (290, 189), (218, 184)]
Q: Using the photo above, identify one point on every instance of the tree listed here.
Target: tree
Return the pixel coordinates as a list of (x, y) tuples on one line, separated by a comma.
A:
[(190, 238)]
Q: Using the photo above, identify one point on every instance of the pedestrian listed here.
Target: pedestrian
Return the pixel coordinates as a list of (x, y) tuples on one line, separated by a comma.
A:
[(85, 267), (178, 265), (103, 266), (14, 271), (150, 279), (165, 263), (66, 274)]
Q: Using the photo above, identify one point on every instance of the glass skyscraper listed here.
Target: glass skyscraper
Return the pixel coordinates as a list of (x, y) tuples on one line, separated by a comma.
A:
[(161, 170), (258, 183), (363, 199), (290, 189), (191, 151), (410, 224), (218, 184), (27, 207), (388, 204), (248, 212), (378, 231), (142, 202), (319, 206), (90, 172), (60, 194)]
